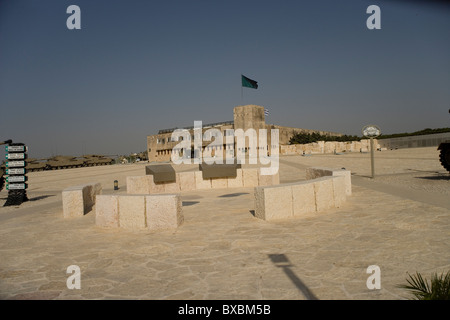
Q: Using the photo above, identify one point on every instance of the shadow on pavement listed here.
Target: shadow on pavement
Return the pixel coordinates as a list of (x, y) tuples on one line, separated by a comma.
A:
[(436, 177), (281, 261), (41, 197), (230, 195), (189, 203)]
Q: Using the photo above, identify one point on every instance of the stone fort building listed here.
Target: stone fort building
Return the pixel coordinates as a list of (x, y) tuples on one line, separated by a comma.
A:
[(160, 146)]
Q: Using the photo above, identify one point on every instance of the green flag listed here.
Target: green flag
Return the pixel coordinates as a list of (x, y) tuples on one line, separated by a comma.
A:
[(249, 83)]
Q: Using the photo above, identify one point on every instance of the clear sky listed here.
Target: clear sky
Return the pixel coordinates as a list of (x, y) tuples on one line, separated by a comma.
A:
[(139, 66)]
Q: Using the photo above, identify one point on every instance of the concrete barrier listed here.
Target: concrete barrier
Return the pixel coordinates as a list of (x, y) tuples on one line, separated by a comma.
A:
[(79, 200), (193, 180), (290, 200), (138, 212)]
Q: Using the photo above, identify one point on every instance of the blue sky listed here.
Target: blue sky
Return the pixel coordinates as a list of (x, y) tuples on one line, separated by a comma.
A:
[(139, 66)]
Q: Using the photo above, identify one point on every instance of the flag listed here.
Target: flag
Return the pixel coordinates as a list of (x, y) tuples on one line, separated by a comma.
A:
[(249, 83), (266, 112)]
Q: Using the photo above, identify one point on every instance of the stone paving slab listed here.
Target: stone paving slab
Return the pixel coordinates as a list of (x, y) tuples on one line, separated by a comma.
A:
[(221, 251)]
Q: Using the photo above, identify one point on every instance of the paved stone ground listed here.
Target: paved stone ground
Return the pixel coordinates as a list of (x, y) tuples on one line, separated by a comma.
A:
[(222, 251)]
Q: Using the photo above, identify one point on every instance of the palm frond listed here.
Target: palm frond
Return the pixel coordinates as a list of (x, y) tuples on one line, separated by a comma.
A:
[(437, 289)]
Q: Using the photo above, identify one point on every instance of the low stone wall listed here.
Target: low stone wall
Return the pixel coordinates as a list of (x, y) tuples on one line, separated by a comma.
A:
[(318, 172), (79, 200), (137, 212), (297, 199), (328, 147), (193, 180)]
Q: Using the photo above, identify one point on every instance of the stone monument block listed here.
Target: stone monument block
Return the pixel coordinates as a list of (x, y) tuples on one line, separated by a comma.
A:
[(164, 211), (317, 172), (78, 200), (268, 180), (236, 182), (107, 211), (303, 198), (138, 184), (339, 190), (219, 183), (172, 187), (250, 177), (186, 180), (323, 188), (201, 183), (132, 212), (73, 203), (273, 203), (158, 187)]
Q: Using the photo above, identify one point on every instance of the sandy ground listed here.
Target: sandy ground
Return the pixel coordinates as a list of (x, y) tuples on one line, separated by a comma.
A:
[(399, 221)]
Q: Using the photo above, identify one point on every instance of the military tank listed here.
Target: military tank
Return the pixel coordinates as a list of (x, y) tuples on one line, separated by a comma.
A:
[(97, 160), (63, 162), (34, 164)]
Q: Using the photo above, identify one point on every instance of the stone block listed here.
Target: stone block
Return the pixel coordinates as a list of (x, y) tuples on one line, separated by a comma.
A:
[(132, 212), (93, 190), (201, 183), (317, 172), (164, 211), (172, 187), (268, 180), (219, 183), (260, 203), (236, 182), (73, 204), (250, 177), (339, 193), (107, 211), (273, 203), (347, 179), (138, 184), (303, 198), (158, 187), (186, 180), (323, 189), (79, 200), (314, 173)]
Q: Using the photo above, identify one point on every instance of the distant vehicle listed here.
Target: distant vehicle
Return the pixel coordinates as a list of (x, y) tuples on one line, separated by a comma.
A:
[(67, 162), (97, 160), (36, 165), (64, 162)]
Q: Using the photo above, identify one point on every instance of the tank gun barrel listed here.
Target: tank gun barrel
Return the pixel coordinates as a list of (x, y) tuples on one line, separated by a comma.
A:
[(6, 142)]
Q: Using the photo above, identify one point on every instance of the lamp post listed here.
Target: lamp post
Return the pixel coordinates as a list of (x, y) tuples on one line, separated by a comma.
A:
[(371, 131)]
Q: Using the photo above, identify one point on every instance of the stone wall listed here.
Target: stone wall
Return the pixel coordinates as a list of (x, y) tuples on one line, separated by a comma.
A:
[(429, 140), (193, 180), (325, 188), (328, 147), (138, 212)]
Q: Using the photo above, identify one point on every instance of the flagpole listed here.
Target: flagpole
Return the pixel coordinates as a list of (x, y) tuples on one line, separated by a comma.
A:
[(242, 92)]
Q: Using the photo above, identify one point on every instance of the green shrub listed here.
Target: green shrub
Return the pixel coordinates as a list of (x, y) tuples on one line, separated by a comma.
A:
[(303, 138)]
